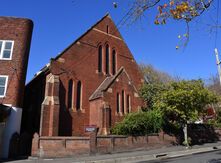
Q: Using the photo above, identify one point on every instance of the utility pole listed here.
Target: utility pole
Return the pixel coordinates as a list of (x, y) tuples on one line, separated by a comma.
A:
[(218, 64)]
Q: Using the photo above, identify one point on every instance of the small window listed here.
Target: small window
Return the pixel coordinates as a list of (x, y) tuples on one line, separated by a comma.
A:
[(107, 59), (3, 85), (113, 62), (70, 93), (79, 95), (128, 104), (100, 59), (118, 103), (107, 29), (6, 48), (122, 103)]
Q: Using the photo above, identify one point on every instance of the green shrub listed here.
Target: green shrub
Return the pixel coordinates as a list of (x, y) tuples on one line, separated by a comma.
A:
[(215, 123), (139, 124)]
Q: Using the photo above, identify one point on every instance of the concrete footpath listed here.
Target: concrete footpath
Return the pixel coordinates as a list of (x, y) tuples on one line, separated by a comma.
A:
[(166, 152), (134, 156)]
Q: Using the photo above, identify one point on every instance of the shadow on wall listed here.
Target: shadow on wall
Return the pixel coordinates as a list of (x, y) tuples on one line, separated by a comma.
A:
[(65, 118), (19, 146)]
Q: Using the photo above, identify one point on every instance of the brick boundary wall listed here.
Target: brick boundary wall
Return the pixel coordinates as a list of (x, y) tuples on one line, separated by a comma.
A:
[(71, 146), (60, 146)]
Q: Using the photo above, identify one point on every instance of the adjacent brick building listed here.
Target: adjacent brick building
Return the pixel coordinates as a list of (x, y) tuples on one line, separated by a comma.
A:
[(15, 38), (94, 82)]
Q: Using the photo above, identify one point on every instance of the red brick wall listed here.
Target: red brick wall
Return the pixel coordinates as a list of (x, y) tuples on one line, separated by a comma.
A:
[(79, 62), (96, 112), (19, 30), (60, 146), (111, 144), (71, 146)]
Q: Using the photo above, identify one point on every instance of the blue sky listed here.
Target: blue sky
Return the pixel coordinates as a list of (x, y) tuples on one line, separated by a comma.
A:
[(58, 23)]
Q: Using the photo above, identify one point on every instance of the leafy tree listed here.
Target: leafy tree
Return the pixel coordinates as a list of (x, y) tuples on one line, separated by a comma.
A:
[(153, 75), (176, 103), (184, 102), (151, 92), (214, 84)]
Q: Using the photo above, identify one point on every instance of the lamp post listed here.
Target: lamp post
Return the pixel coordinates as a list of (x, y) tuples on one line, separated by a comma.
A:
[(218, 64)]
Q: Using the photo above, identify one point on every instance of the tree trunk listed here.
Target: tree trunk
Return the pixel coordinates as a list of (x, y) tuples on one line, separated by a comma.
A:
[(185, 135)]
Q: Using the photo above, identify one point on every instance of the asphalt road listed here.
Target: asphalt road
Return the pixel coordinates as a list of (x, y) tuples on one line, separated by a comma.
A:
[(209, 157), (206, 157)]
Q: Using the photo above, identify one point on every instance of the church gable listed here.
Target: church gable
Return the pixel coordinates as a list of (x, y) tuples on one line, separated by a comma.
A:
[(83, 53), (121, 77), (105, 26)]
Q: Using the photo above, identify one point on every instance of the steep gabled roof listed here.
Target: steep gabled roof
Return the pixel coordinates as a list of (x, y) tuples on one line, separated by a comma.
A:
[(44, 69), (107, 83), (107, 15)]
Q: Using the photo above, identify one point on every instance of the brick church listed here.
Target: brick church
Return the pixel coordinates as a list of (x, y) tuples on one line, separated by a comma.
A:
[(94, 82)]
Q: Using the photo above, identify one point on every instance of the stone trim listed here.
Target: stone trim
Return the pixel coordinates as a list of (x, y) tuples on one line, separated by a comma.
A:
[(95, 29)]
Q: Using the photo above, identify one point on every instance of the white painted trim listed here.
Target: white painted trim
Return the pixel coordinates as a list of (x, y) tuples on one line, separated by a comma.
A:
[(6, 85), (9, 105), (3, 48)]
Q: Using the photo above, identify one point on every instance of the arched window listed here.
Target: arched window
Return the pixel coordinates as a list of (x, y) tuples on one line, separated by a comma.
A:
[(70, 93), (107, 59), (118, 103), (122, 101), (128, 104), (100, 58), (79, 95), (113, 62), (107, 29)]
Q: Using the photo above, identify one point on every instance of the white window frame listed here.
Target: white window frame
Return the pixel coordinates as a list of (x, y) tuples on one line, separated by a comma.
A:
[(6, 85), (3, 48)]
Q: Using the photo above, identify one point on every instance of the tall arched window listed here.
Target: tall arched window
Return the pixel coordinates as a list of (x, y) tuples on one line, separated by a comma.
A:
[(100, 58), (122, 101), (113, 62), (107, 29), (79, 95), (107, 59), (118, 103), (70, 93), (128, 104)]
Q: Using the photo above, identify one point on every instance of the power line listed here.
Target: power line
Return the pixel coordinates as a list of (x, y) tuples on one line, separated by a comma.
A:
[(217, 23)]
